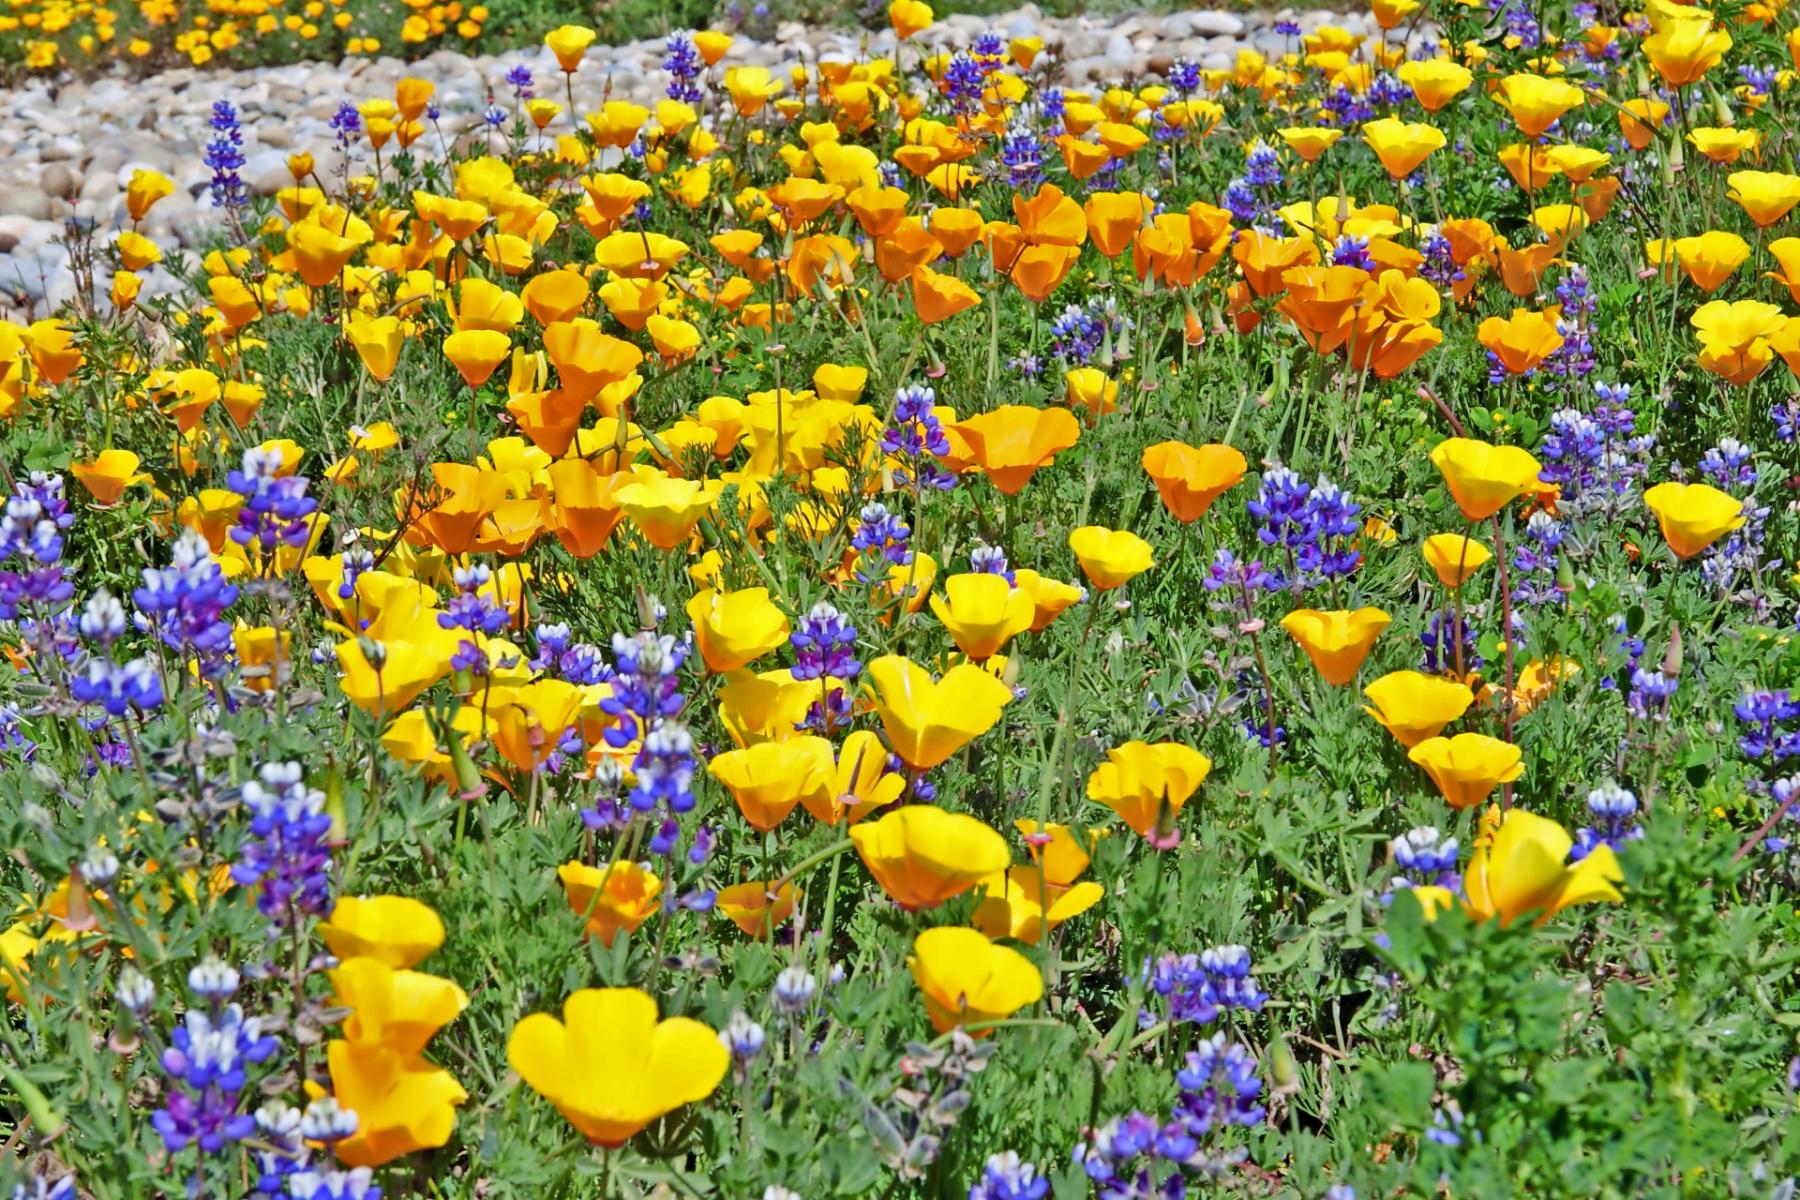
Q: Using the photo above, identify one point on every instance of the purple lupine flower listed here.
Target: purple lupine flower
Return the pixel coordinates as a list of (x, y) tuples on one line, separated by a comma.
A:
[(1022, 155), (275, 508), (1426, 858), (881, 540), (646, 706), (1219, 1087), (1536, 561), (520, 81), (684, 66), (287, 855), (1614, 811), (1226, 571), (1006, 1177), (1443, 630), (1764, 712), (119, 687), (225, 157), (1198, 987), (917, 438), (31, 529), (1350, 250), (346, 123), (184, 604), (206, 1066), (825, 648), (1439, 268)]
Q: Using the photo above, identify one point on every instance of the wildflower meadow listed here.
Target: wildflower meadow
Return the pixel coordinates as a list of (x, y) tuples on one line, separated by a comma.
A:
[(914, 625)]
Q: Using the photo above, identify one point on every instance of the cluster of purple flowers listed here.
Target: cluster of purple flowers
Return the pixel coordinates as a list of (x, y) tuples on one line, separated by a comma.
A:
[(1136, 1157), (1440, 268), (1006, 1177), (1425, 858), (1614, 811), (1079, 333), (1196, 988), (1763, 713), (225, 157), (1536, 560), (1348, 106), (825, 648), (1447, 632), (276, 506), (1312, 522), (346, 123), (1250, 196), (520, 81), (287, 855), (475, 611), (31, 530), (206, 1066), (646, 706), (560, 657), (882, 541), (1573, 361), (184, 605), (684, 66), (1595, 458), (1022, 155), (917, 438)]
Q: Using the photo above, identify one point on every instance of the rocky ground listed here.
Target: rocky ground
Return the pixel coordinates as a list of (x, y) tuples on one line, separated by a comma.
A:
[(67, 149)]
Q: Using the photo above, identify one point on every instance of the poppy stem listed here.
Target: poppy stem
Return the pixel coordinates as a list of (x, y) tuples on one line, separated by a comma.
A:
[(1506, 636), (811, 861)]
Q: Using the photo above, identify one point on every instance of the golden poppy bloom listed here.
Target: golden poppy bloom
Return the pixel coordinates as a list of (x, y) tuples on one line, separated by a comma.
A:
[(770, 779), (107, 475), (1090, 390), (968, 980), (664, 509), (1309, 142), (1709, 259), (1402, 145), (1012, 442), (403, 1103), (396, 930), (1049, 597), (1148, 784), (1639, 120), (1110, 558), (1522, 341), (610, 1067), (983, 612), (1734, 337), (1483, 478), (922, 856), (1336, 641), (1435, 82), (1190, 478), (1454, 557), (756, 910), (938, 297), (377, 342), (399, 1009), (1766, 196), (610, 898), (733, 629), (143, 190), (1413, 706), (569, 43), (927, 722), (909, 17), (1467, 767), (476, 353), (1684, 49), (1520, 867), (1028, 901), (1693, 516), (1536, 102)]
